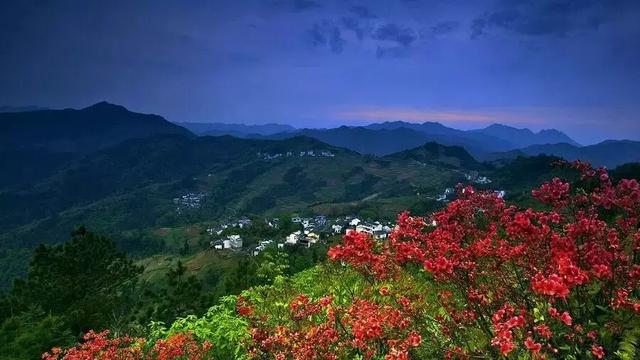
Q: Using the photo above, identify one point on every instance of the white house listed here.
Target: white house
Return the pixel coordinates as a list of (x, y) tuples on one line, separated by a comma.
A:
[(233, 242), (365, 228), (293, 238), (218, 244), (313, 237)]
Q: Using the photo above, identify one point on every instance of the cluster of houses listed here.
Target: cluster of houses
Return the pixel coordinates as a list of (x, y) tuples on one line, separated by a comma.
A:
[(311, 153), (448, 193), (473, 176), (189, 201), (240, 224), (314, 230), (231, 242)]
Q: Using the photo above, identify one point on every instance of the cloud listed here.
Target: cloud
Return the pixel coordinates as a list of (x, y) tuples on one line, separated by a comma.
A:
[(327, 34), (295, 5), (362, 12), (548, 17), (478, 27), (301, 5), (392, 52), (404, 36), (444, 27), (352, 24)]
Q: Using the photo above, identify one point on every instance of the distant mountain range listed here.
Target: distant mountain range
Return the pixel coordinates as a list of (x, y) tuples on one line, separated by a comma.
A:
[(610, 153), (40, 134), (386, 138), (80, 131), (519, 138), (237, 130)]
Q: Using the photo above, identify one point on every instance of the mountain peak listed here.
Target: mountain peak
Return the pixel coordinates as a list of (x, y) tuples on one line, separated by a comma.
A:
[(105, 106), (524, 137), (502, 127)]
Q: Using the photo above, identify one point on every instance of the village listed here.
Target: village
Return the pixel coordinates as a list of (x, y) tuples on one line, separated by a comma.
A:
[(312, 230), (189, 201), (288, 154), (309, 230)]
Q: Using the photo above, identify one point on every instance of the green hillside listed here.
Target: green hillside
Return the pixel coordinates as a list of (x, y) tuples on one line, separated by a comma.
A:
[(170, 181)]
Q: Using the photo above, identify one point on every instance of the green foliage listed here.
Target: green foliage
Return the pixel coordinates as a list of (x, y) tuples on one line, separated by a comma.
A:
[(86, 281), (274, 263), (220, 326), (629, 346), (28, 335), (180, 296)]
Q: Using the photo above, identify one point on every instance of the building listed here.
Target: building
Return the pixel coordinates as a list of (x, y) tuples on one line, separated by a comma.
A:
[(293, 238), (217, 244), (261, 247), (232, 242)]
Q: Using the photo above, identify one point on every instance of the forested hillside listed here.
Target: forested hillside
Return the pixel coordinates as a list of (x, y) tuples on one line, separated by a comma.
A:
[(479, 278)]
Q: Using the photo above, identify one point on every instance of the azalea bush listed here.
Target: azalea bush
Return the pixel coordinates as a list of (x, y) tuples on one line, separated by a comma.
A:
[(560, 281), (100, 346)]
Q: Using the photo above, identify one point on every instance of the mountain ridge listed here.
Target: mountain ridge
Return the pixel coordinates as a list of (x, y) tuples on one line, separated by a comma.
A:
[(80, 131)]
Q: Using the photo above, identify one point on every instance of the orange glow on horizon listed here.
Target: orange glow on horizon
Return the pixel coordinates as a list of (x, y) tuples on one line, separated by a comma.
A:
[(414, 115), (535, 117)]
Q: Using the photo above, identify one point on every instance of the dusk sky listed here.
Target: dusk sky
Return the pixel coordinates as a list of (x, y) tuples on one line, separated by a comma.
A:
[(573, 65)]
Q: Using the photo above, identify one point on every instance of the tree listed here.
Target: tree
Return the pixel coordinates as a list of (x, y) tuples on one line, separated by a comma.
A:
[(181, 297), (28, 335), (86, 281), (273, 263)]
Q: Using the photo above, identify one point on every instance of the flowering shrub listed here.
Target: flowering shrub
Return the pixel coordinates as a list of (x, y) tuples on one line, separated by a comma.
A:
[(100, 346), (318, 329), (560, 281)]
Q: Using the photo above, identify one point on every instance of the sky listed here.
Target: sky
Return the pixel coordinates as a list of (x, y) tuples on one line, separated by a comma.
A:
[(573, 65)]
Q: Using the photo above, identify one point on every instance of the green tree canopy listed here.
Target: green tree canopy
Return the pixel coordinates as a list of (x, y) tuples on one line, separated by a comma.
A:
[(87, 281)]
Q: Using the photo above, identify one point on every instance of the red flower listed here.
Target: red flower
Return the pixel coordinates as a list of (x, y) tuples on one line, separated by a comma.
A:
[(566, 318), (533, 346), (597, 351)]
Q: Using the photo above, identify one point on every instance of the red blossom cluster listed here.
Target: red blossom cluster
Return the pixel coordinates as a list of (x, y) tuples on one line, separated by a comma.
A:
[(99, 346), (510, 264), (321, 330), (357, 249)]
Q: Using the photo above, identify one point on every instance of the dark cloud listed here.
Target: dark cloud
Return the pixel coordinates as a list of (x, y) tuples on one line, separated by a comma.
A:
[(548, 17), (444, 27), (327, 34), (478, 27), (352, 24), (404, 36), (362, 12), (295, 5), (392, 52), (301, 5)]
